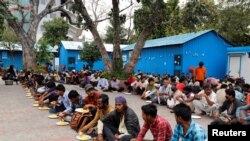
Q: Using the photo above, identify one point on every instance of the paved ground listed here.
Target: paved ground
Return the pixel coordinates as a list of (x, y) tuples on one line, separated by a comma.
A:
[(22, 122)]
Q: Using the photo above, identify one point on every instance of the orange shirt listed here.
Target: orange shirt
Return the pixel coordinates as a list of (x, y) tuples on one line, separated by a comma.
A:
[(92, 100), (200, 73)]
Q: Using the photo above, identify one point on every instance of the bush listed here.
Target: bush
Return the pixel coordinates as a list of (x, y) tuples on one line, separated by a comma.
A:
[(120, 75)]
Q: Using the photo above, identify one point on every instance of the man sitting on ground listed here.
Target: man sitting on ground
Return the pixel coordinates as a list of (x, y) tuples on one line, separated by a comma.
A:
[(92, 98), (103, 108), (103, 83), (63, 104), (226, 114), (115, 85), (207, 101), (186, 128), (159, 126), (121, 124)]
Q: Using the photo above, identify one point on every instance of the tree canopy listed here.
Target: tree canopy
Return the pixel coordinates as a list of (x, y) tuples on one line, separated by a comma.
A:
[(90, 53), (55, 31)]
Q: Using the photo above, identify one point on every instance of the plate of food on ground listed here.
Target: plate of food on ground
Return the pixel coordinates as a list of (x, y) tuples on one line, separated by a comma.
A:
[(53, 116), (30, 97), (35, 105), (62, 123), (81, 110), (35, 102), (149, 101), (196, 116), (127, 93), (83, 137), (43, 108)]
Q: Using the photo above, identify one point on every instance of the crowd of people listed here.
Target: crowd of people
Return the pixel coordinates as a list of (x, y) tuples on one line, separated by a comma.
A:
[(227, 101)]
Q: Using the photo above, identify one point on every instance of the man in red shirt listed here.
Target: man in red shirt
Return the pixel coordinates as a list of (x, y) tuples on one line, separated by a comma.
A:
[(159, 126), (129, 81)]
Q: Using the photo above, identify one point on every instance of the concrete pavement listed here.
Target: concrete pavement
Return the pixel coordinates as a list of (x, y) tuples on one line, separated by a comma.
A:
[(19, 121)]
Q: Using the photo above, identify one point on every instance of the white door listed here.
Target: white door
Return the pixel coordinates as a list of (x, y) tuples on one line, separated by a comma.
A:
[(234, 67)]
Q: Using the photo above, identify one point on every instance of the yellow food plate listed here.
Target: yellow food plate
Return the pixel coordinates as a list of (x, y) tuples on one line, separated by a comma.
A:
[(36, 102), (35, 105), (62, 123), (81, 110), (53, 116), (43, 108), (30, 97), (83, 137)]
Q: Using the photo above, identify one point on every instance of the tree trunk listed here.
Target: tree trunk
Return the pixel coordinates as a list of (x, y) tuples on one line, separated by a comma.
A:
[(154, 19), (91, 26), (29, 55), (129, 67), (117, 60)]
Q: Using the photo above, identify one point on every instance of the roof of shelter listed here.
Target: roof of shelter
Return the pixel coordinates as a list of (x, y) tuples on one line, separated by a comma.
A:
[(72, 45), (243, 49), (171, 40)]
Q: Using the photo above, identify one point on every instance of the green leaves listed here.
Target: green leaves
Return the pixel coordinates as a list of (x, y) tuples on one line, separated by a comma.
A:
[(55, 31), (43, 53), (90, 53), (234, 23), (143, 17)]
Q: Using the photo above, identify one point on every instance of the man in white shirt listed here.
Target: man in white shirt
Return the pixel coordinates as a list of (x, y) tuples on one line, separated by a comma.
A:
[(103, 84), (206, 101), (164, 92)]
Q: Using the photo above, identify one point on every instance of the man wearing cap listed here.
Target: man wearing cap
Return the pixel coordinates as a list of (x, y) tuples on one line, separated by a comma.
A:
[(92, 96), (121, 124)]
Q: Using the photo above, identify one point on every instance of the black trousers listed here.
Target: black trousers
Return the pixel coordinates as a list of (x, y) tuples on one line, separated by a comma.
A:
[(109, 131)]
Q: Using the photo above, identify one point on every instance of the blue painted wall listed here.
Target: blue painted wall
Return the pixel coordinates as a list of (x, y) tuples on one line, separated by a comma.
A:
[(209, 48), (16, 60), (157, 60), (65, 54)]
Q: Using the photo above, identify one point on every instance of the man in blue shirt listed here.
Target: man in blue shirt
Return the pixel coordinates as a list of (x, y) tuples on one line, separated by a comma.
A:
[(186, 128), (63, 105)]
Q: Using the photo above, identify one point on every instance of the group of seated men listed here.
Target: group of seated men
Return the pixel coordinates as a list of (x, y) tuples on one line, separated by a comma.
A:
[(107, 122)]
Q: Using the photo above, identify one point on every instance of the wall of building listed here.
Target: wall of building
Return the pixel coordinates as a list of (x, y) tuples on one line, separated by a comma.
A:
[(238, 66), (209, 48), (156, 60), (6, 59)]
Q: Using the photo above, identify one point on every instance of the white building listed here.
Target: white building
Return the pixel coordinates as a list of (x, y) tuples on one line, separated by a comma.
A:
[(239, 62), (74, 32)]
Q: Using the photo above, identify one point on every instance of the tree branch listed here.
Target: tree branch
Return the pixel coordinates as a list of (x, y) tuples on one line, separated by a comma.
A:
[(69, 17), (101, 20), (49, 9)]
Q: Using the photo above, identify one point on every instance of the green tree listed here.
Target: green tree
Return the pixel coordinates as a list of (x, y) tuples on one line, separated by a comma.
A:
[(1, 26), (20, 16), (199, 14), (109, 36), (90, 54), (153, 19), (55, 31), (235, 21), (174, 23), (142, 17), (43, 53), (9, 40)]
